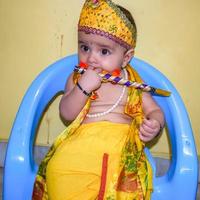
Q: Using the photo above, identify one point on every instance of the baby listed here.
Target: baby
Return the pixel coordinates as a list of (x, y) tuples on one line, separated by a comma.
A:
[(100, 155)]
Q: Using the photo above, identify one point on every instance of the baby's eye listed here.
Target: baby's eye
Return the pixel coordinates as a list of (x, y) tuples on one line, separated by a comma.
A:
[(105, 52), (85, 48)]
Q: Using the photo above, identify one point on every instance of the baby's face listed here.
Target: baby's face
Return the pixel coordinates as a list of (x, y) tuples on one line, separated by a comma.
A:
[(100, 52)]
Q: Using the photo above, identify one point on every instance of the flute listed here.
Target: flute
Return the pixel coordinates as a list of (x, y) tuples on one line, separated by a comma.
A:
[(115, 79)]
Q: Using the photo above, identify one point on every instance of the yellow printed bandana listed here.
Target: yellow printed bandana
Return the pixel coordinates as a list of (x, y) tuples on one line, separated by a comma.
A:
[(104, 18)]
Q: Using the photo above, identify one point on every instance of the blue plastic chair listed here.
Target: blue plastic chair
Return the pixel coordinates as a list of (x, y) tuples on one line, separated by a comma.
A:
[(180, 181)]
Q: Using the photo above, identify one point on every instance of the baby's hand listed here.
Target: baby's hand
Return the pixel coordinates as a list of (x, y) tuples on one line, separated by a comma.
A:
[(90, 80), (149, 129)]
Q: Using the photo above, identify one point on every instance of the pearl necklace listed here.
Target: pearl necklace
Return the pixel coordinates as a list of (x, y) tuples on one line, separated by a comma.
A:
[(115, 105)]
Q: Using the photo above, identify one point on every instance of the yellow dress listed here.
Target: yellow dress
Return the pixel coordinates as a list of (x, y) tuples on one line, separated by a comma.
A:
[(74, 172), (100, 160)]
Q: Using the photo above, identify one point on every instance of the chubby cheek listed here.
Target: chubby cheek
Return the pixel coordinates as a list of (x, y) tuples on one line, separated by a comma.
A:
[(112, 65)]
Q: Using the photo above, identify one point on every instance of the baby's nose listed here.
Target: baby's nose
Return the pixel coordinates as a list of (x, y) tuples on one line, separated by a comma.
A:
[(92, 59)]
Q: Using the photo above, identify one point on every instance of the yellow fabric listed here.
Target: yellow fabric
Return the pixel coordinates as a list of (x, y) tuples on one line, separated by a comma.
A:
[(132, 180), (92, 19), (74, 172), (40, 187)]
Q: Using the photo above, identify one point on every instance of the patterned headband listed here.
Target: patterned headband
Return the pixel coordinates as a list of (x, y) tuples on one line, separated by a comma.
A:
[(104, 18)]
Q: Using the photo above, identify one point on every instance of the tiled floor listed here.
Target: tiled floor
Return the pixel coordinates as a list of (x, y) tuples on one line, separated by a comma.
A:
[(1, 172)]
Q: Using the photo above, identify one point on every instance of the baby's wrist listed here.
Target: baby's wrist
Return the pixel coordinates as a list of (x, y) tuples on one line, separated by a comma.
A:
[(85, 92), (85, 86)]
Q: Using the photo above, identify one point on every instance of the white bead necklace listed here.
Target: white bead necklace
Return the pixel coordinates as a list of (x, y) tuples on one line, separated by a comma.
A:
[(116, 103)]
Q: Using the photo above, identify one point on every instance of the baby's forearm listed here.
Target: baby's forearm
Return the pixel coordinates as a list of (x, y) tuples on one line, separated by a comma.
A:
[(72, 103), (157, 115)]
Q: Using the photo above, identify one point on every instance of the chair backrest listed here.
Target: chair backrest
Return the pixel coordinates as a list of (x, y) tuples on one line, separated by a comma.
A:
[(180, 181)]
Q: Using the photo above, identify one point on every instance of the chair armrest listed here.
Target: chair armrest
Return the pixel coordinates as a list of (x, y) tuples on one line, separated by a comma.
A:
[(20, 167)]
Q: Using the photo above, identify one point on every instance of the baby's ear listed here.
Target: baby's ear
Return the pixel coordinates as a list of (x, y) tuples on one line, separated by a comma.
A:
[(127, 57)]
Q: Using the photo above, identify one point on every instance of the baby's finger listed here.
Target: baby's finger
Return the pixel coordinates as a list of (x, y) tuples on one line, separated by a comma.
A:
[(145, 132), (152, 123), (144, 138), (147, 128), (147, 122)]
